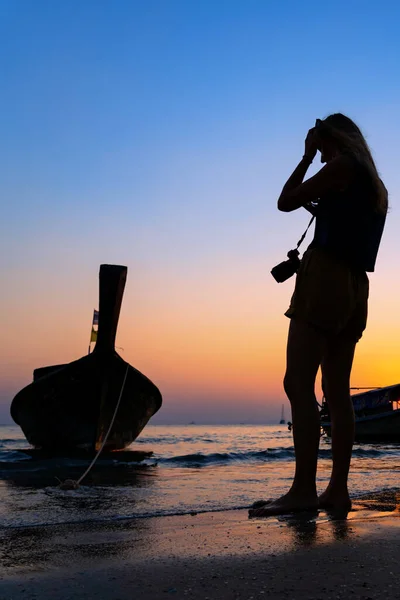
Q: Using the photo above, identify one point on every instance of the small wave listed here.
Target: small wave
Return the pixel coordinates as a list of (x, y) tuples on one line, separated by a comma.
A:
[(119, 518), (175, 440), (270, 454), (13, 458), (8, 457), (220, 458), (370, 452), (357, 453), (10, 444)]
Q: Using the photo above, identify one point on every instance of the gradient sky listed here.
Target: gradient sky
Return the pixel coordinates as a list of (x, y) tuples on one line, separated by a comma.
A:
[(158, 134)]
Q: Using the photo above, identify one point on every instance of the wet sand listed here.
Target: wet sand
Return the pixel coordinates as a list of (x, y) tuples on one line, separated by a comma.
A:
[(211, 555)]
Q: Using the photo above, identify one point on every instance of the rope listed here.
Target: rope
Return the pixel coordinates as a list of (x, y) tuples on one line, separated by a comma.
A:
[(71, 484)]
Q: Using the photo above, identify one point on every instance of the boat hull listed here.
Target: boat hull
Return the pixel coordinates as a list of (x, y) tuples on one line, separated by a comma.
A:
[(382, 427), (71, 406)]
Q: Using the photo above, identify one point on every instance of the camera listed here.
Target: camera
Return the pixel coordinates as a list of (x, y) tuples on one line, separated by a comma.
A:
[(287, 268)]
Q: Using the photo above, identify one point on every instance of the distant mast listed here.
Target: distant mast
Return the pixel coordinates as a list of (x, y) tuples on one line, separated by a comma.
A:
[(282, 421)]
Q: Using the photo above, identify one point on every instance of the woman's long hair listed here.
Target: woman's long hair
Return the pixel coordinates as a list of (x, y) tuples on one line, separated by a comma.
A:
[(347, 136)]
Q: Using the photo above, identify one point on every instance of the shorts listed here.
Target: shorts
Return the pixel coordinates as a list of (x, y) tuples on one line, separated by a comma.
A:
[(330, 296)]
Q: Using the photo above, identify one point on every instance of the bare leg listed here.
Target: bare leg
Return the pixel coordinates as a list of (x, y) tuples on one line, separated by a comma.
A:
[(336, 368), (304, 354)]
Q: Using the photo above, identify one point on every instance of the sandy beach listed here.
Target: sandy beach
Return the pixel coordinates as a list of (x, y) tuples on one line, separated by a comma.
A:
[(211, 555)]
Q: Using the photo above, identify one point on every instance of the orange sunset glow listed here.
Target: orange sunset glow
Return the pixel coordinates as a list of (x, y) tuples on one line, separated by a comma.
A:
[(215, 347)]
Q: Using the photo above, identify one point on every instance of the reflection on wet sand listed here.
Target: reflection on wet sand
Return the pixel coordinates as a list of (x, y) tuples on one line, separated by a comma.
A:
[(312, 528), (83, 545), (54, 547), (303, 527), (309, 529)]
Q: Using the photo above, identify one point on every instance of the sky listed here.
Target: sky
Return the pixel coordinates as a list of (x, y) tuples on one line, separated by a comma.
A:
[(157, 134)]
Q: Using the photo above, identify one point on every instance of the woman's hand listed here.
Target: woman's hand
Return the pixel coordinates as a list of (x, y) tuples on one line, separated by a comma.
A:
[(311, 146)]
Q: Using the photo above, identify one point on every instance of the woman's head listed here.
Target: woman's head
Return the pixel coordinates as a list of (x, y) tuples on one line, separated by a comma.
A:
[(337, 134)]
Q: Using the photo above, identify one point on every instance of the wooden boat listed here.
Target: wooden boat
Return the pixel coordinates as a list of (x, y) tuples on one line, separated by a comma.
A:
[(377, 415), (70, 407)]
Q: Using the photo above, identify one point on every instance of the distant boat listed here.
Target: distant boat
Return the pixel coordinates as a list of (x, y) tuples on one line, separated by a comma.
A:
[(282, 421), (377, 415), (70, 407)]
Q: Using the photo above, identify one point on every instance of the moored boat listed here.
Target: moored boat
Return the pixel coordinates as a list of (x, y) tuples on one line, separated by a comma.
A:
[(282, 419), (70, 407), (377, 415)]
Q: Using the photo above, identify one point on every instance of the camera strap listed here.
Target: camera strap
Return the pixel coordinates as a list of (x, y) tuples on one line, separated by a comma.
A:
[(301, 240)]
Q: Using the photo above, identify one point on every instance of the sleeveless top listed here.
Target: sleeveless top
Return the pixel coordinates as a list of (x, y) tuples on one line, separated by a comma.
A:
[(348, 226)]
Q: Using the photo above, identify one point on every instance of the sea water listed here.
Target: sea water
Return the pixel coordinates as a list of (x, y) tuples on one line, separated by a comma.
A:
[(193, 468)]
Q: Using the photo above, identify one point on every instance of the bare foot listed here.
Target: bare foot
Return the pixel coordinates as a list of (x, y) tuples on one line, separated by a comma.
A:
[(331, 500), (261, 503), (290, 503)]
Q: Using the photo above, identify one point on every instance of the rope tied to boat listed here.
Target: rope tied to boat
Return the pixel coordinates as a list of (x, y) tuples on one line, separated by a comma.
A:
[(72, 484)]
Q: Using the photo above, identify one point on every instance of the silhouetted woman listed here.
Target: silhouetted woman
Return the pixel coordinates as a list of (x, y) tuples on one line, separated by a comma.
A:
[(328, 310)]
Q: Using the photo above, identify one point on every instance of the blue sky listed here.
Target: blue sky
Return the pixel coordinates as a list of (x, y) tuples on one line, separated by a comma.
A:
[(158, 134)]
